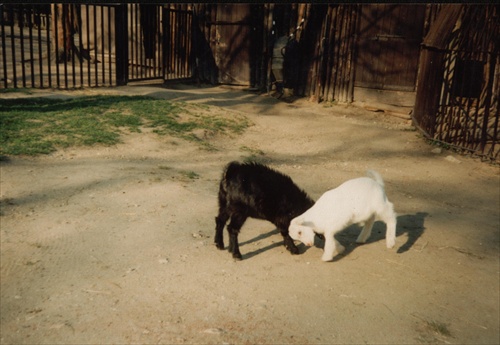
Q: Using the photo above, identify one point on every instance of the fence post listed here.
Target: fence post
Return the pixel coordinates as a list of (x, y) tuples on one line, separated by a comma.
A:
[(121, 42)]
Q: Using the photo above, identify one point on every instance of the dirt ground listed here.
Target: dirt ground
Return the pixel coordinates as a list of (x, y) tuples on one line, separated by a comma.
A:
[(115, 244)]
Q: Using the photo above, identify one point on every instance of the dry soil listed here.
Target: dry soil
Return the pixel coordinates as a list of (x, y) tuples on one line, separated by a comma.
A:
[(115, 244)]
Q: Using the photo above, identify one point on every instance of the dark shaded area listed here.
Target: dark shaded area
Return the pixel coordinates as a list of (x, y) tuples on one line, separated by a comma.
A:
[(411, 224)]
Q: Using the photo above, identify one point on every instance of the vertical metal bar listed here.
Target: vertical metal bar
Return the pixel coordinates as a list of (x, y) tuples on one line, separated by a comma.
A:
[(49, 51), (121, 44), (189, 30), (32, 67), (146, 34), (189, 40), (103, 47), (14, 76), (167, 31), (21, 36), (87, 24), (110, 45), (178, 43), (173, 41), (158, 35), (72, 42), (158, 52), (96, 45), (140, 45), (185, 53), (4, 56), (132, 38), (168, 42), (40, 53), (80, 42), (64, 18), (185, 43), (152, 64), (56, 39), (136, 42)]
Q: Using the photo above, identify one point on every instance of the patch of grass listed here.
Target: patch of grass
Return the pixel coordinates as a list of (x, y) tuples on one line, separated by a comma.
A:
[(190, 175), (256, 155), (439, 328), (34, 126)]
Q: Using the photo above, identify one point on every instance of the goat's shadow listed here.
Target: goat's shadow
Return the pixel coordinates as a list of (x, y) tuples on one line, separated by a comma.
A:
[(263, 249), (410, 224)]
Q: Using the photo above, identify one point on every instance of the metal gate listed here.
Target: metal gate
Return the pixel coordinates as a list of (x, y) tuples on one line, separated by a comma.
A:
[(72, 45), (178, 42)]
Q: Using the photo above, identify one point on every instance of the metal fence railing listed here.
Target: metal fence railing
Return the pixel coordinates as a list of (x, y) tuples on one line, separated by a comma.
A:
[(81, 45)]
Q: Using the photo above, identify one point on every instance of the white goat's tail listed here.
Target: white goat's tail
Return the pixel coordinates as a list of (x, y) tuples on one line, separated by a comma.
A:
[(375, 176)]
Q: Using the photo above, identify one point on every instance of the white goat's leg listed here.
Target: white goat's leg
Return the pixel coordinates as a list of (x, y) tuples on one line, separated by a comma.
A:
[(367, 230), (331, 246), (390, 220), (390, 236)]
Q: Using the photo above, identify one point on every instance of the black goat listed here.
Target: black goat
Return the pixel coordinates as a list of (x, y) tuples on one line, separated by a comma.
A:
[(257, 191)]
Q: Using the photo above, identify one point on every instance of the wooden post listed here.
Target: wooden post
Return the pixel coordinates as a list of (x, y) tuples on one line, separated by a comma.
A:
[(431, 68)]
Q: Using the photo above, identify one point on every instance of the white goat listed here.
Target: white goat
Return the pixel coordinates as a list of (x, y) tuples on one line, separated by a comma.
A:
[(360, 200)]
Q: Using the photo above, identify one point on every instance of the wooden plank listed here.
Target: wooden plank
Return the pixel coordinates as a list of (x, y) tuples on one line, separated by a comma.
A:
[(442, 27)]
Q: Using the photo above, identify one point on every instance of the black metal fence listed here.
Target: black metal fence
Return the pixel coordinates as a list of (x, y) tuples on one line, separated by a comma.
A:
[(80, 45)]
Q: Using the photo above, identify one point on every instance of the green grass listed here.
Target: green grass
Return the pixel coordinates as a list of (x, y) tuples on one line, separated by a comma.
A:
[(32, 126), (255, 155), (439, 327), (190, 175)]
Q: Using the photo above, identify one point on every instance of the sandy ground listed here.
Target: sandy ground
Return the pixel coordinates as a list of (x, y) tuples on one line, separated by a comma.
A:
[(115, 244)]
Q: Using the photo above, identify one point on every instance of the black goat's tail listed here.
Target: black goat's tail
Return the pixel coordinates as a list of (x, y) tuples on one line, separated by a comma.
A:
[(224, 184)]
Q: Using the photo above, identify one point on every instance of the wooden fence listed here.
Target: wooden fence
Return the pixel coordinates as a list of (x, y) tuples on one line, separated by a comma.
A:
[(70, 46), (458, 90)]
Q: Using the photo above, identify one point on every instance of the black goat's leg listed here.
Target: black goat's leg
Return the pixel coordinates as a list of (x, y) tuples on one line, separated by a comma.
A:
[(288, 241), (237, 221), (220, 222)]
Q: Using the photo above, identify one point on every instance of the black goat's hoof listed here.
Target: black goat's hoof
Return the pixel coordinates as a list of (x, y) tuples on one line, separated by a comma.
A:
[(219, 246), (293, 249), (237, 257)]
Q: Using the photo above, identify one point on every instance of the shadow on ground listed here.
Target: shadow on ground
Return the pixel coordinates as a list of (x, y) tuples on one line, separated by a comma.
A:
[(411, 224)]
